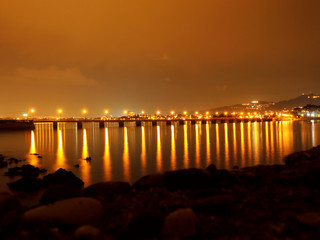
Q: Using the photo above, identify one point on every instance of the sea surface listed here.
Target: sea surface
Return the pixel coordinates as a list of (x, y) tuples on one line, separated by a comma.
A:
[(130, 152)]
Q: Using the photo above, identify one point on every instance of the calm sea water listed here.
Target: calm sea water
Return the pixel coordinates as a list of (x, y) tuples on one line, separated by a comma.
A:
[(127, 153)]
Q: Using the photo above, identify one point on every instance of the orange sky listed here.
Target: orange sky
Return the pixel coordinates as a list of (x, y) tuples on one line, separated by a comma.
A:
[(160, 54)]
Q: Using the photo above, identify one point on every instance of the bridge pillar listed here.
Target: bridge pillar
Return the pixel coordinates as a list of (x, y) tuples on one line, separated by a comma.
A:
[(101, 124), (121, 123), (222, 121), (154, 123), (79, 125), (238, 120), (138, 123), (55, 125), (193, 121), (231, 120), (246, 120), (168, 122), (181, 122), (213, 121), (204, 121), (259, 120)]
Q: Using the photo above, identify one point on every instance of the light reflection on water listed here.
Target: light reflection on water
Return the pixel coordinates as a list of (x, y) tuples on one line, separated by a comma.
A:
[(126, 154)]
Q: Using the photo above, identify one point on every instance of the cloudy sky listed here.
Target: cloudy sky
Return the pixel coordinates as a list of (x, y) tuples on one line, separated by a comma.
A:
[(154, 54)]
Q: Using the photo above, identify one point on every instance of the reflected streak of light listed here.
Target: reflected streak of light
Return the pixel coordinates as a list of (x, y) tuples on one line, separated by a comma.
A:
[(272, 142), (143, 150), (249, 142), (85, 169), (287, 137), (234, 142), (197, 147), (218, 144), (107, 159), (226, 144), (267, 142), (242, 145), (126, 159), (60, 152), (33, 158), (173, 149), (313, 134), (208, 144), (256, 144), (186, 154), (159, 156)]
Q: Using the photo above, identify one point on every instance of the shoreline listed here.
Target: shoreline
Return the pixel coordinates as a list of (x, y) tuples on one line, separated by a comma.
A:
[(264, 202)]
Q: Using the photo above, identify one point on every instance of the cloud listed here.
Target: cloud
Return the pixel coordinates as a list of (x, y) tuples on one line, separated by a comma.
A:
[(49, 76)]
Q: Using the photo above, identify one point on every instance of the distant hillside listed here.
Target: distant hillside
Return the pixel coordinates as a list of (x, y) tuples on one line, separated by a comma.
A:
[(299, 101)]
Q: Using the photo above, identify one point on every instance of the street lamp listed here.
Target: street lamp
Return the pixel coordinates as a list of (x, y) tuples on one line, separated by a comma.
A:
[(172, 112), (84, 111), (158, 112), (32, 111), (106, 112), (60, 111)]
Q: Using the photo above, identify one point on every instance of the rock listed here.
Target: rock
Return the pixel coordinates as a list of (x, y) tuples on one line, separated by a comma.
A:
[(62, 177), (58, 192), (311, 219), (219, 203), (86, 232), (12, 172), (296, 157), (223, 179), (26, 184), (149, 181), (186, 179), (180, 224), (10, 208), (29, 171), (211, 168), (145, 225), (72, 211), (106, 189)]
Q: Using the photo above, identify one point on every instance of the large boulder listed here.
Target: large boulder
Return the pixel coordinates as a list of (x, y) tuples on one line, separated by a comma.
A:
[(59, 192), (73, 211), (26, 184), (149, 181), (192, 178), (106, 189), (62, 177)]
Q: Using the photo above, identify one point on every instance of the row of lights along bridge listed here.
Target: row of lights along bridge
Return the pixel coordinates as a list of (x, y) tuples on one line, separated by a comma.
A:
[(196, 115)]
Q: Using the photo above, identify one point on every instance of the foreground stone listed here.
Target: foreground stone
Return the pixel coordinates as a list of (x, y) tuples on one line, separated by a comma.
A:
[(73, 211)]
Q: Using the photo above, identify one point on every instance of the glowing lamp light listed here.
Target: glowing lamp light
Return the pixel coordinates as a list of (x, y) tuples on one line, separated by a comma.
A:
[(125, 111), (207, 113), (84, 111), (106, 111), (217, 113), (60, 111), (32, 110), (142, 112), (185, 112), (158, 112), (225, 113), (196, 113), (172, 112)]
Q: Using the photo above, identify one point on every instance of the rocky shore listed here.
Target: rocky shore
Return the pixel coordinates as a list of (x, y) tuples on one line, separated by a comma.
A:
[(260, 202)]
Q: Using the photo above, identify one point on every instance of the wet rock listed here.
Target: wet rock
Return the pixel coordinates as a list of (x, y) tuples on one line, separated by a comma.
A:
[(219, 203), (29, 171), (106, 189), (86, 232), (59, 192), (72, 211), (149, 181), (186, 179), (297, 157), (26, 184), (10, 209), (223, 179), (180, 224), (145, 225), (311, 219), (211, 168), (12, 172), (62, 177)]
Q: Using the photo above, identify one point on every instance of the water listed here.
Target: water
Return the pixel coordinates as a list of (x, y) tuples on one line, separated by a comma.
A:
[(126, 154)]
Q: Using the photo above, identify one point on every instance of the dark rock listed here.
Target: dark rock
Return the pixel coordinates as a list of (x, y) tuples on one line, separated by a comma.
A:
[(235, 167), (26, 184), (311, 179), (29, 171), (186, 179), (77, 165), (86, 232), (218, 203), (3, 164), (10, 209), (145, 225), (39, 156), (297, 157), (311, 219), (223, 179), (149, 181), (12, 172), (88, 159), (106, 189), (211, 168), (59, 192), (62, 177)]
